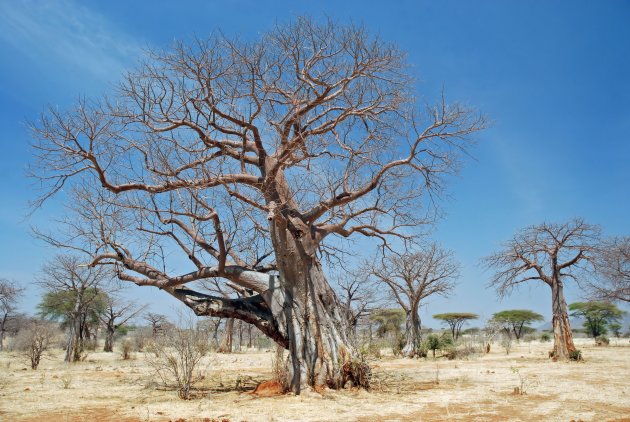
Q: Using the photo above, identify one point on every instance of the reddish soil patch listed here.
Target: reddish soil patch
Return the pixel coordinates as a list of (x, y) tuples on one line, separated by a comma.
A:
[(268, 389), (82, 415)]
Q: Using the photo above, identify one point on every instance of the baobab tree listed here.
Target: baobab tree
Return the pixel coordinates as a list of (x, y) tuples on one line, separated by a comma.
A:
[(613, 267), (73, 294), (358, 295), (412, 277), (10, 294), (552, 254), (247, 158), (116, 314)]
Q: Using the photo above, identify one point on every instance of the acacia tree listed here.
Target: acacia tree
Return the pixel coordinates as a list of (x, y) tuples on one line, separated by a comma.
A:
[(73, 294), (116, 314), (598, 315), (248, 157), (551, 253), (412, 277), (456, 321), (613, 264), (514, 320), (9, 295)]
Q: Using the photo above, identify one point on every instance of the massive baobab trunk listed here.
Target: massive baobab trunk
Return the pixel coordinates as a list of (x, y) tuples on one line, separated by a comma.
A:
[(563, 336), (308, 312)]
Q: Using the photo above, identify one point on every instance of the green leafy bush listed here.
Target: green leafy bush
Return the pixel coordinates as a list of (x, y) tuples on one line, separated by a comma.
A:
[(575, 355)]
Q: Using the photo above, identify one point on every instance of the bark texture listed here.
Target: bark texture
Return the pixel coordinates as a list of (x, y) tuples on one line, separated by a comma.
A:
[(563, 345)]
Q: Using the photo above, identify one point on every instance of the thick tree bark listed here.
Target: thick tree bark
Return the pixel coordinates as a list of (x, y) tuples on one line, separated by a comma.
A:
[(110, 330), (3, 325), (308, 312), (563, 337), (73, 346), (228, 336), (413, 336)]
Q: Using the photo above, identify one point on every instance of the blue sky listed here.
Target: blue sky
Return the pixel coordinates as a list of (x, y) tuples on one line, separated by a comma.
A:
[(552, 76)]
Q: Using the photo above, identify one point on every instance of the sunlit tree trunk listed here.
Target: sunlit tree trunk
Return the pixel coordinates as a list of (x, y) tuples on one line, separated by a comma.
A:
[(563, 337), (413, 336), (308, 313), (228, 336)]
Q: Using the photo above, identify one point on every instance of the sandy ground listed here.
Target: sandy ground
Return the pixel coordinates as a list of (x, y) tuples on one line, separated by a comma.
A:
[(482, 388)]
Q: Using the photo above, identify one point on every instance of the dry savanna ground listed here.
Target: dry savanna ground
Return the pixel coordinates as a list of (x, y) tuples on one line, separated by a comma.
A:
[(481, 388)]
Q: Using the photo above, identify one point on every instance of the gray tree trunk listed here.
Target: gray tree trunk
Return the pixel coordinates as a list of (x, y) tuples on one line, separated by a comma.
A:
[(413, 336), (308, 313), (228, 335), (563, 336), (109, 337)]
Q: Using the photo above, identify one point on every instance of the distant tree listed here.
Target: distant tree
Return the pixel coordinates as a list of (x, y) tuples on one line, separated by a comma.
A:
[(73, 295), (553, 254), (115, 315), (388, 321), (412, 277), (515, 320), (456, 320), (598, 315), (9, 296), (615, 327), (613, 266), (357, 295), (157, 322)]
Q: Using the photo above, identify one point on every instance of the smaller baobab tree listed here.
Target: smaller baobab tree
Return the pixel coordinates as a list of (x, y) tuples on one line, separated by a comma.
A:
[(513, 321), (117, 313), (73, 294), (613, 267), (456, 321), (412, 277), (158, 323), (553, 254), (9, 295), (358, 295)]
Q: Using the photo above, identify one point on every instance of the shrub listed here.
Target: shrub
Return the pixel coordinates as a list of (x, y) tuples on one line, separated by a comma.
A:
[(575, 355), (371, 350), (545, 337), (34, 340), (432, 343), (177, 356), (127, 349), (602, 340)]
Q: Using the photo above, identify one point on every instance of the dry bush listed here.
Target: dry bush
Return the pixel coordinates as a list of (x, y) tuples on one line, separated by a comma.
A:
[(34, 340), (127, 349), (176, 358), (279, 369)]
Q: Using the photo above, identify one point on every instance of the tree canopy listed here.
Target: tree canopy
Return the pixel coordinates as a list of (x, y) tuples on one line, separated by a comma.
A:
[(515, 320), (456, 320), (598, 315)]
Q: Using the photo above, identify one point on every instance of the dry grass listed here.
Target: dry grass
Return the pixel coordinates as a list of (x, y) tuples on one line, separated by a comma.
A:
[(107, 388)]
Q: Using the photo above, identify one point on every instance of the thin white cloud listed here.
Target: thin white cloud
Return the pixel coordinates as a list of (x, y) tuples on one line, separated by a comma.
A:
[(64, 31)]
